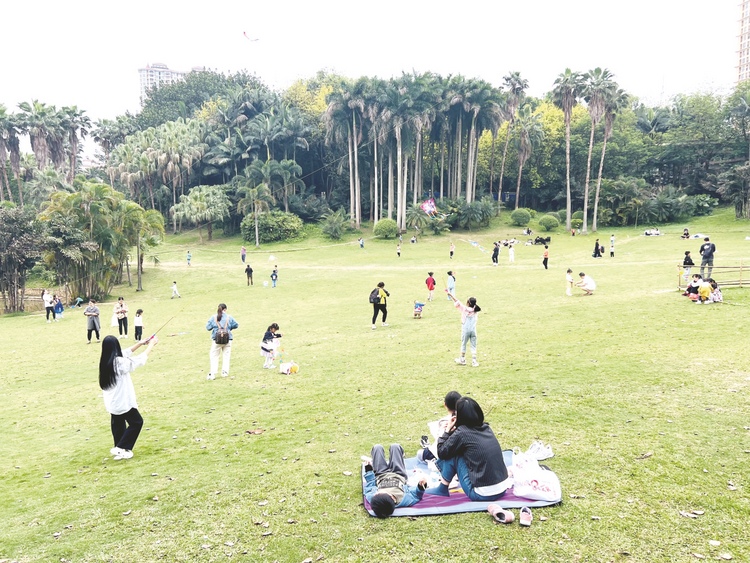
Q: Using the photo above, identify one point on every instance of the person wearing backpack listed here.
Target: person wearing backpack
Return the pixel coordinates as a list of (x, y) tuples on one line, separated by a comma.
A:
[(378, 299), (221, 326)]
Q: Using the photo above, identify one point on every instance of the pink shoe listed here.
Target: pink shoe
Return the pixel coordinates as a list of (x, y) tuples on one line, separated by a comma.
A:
[(525, 517), (500, 515)]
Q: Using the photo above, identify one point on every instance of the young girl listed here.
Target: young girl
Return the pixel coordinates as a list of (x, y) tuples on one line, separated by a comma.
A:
[(138, 324), (687, 265), (468, 328), (115, 367), (716, 296), (398, 250), (269, 345), (569, 280), (59, 308), (451, 285)]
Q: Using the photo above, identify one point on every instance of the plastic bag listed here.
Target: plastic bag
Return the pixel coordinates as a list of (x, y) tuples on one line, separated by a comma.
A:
[(534, 482), (114, 321)]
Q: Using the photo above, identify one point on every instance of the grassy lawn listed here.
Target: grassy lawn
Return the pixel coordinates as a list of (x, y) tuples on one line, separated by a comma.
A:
[(642, 394)]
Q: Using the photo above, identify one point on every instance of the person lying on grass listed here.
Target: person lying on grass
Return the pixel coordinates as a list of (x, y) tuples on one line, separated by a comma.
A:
[(470, 450), (385, 482)]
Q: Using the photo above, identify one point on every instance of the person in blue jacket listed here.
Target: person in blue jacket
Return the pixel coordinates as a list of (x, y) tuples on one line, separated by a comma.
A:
[(385, 482), (222, 320), (59, 307)]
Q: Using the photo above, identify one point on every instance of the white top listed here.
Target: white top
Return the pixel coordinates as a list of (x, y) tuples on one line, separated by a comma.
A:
[(588, 283), (47, 299), (138, 321), (121, 398)]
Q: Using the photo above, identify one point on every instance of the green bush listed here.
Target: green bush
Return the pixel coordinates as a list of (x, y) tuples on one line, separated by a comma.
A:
[(563, 214), (532, 212), (385, 228), (438, 225), (576, 223), (272, 226), (520, 217), (577, 215), (335, 224), (555, 215), (549, 222)]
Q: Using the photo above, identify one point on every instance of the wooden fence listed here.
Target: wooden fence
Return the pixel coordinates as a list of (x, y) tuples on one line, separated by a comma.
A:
[(725, 276)]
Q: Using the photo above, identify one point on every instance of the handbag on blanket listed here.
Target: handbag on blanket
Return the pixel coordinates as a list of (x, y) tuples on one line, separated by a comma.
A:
[(534, 482)]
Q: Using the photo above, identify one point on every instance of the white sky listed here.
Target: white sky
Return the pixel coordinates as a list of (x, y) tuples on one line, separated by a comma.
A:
[(87, 52)]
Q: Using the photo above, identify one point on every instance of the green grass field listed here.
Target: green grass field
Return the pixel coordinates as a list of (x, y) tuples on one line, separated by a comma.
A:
[(636, 369)]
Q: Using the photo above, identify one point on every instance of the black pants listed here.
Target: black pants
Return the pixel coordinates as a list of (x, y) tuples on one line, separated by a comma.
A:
[(138, 333), (250, 279), (50, 310), (494, 258), (125, 436), (123, 323), (545, 263), (376, 308), (93, 330)]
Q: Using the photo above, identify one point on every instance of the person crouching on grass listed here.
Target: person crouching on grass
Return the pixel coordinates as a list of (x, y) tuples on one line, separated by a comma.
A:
[(385, 482), (115, 367)]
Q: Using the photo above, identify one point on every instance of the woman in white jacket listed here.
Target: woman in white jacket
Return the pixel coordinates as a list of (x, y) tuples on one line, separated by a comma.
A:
[(115, 367)]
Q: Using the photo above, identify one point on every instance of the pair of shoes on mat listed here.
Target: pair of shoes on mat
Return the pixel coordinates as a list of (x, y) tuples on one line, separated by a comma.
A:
[(503, 516), (539, 451)]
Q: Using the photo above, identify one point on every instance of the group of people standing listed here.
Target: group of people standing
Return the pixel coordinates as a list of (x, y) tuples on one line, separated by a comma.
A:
[(120, 317), (53, 306)]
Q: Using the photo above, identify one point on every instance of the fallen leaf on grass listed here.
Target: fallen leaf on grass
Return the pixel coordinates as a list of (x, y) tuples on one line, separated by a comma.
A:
[(698, 556), (412, 518), (267, 534), (154, 475), (263, 503), (542, 518), (348, 473), (320, 557), (714, 543), (646, 455), (228, 543), (256, 431), (726, 556), (155, 499), (308, 560), (290, 521), (126, 513), (206, 546), (331, 451), (57, 535), (687, 514), (596, 518), (699, 512)]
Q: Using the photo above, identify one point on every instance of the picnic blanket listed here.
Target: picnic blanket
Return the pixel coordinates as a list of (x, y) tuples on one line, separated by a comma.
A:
[(457, 502)]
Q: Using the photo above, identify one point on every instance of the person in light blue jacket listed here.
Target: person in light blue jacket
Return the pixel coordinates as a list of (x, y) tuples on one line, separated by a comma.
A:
[(224, 321), (469, 314)]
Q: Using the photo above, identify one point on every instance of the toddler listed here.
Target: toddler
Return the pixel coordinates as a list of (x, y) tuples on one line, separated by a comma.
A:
[(138, 324)]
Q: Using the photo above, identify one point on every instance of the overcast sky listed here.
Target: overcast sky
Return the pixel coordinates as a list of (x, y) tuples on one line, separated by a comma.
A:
[(88, 53)]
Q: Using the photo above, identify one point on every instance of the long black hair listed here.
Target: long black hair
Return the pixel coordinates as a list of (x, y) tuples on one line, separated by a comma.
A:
[(222, 308), (473, 303), (468, 413), (110, 350)]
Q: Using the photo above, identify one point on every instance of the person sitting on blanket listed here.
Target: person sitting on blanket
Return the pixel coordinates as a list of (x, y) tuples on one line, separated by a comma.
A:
[(449, 403), (470, 450), (385, 487)]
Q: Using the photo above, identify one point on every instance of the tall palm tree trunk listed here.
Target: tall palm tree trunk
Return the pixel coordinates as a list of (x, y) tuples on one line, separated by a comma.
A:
[(357, 188), (375, 172), (459, 155), (469, 161), (400, 174), (492, 164), (442, 166), (257, 235), (518, 186), (351, 177), (474, 173), (568, 205), (502, 166), (588, 177), (599, 183), (20, 189), (450, 170), (432, 170), (390, 182)]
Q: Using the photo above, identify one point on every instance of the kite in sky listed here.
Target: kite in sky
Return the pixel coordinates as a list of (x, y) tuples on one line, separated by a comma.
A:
[(246, 37)]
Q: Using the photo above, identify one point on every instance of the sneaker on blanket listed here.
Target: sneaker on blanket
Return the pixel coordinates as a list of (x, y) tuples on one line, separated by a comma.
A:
[(424, 441)]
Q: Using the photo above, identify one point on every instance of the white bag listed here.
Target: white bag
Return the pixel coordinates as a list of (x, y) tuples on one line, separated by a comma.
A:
[(533, 482), (114, 321)]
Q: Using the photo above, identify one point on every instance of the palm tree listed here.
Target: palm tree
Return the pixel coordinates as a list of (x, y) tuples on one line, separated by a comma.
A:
[(515, 88), (290, 172), (265, 177), (529, 135), (204, 204), (78, 127), (38, 120), (4, 127), (14, 127), (616, 100), (597, 85), (565, 95)]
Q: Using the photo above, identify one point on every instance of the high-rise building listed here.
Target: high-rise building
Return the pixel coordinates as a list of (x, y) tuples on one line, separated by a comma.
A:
[(743, 68), (158, 74)]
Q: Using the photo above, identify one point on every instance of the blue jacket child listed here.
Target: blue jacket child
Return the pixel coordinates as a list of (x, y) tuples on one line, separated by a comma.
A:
[(385, 482)]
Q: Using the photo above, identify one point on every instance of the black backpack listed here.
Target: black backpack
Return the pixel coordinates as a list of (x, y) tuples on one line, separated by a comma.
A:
[(375, 295)]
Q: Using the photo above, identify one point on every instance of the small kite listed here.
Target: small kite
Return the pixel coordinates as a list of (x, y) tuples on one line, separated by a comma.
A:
[(246, 37), (477, 245), (429, 207)]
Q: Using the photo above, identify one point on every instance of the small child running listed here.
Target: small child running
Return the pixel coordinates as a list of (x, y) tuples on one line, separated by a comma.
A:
[(138, 324), (269, 345), (469, 314), (175, 293)]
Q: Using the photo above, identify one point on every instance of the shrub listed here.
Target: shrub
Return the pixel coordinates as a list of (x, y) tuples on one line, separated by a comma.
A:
[(563, 214), (438, 225), (576, 223), (385, 228), (549, 222), (335, 224), (555, 215), (532, 212), (577, 215), (520, 217), (272, 226)]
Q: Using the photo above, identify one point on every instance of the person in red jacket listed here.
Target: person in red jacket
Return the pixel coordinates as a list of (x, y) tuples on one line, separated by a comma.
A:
[(430, 281)]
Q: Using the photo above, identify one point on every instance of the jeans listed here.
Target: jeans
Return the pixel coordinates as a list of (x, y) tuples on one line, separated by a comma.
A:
[(469, 337), (93, 330), (274, 283), (395, 464), (123, 323), (50, 310), (376, 308), (450, 467), (687, 272), (216, 351), (125, 437), (707, 262)]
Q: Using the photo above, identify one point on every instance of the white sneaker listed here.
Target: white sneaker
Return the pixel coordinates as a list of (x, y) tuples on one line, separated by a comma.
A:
[(474, 363), (120, 337), (211, 377), (386, 324), (116, 451), (461, 361), (124, 454), (224, 374), (271, 366), (49, 322), (374, 327)]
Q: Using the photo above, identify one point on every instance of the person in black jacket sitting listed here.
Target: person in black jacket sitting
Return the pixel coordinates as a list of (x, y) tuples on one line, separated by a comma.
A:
[(469, 449)]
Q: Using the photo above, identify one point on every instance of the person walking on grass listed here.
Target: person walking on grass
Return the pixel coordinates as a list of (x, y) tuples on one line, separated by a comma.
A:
[(545, 256), (430, 281), (569, 282), (511, 253), (175, 293), (115, 367), (451, 284), (495, 254), (274, 277), (49, 304), (707, 251), (92, 323), (243, 252), (249, 274), (597, 249), (121, 312), (398, 250), (189, 257), (380, 305), (221, 326), (469, 314)]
